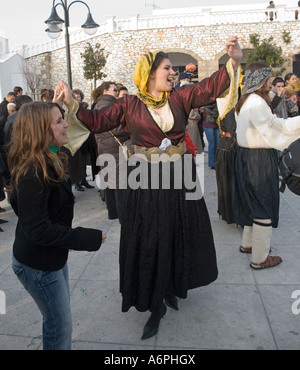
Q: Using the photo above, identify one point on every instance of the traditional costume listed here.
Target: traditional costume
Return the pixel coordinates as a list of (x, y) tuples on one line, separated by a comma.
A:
[(256, 185), (166, 243)]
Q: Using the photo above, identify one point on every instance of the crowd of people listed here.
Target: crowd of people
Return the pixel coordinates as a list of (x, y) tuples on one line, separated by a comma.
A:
[(166, 240)]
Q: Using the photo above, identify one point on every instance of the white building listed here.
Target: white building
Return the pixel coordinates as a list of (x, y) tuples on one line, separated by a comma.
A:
[(11, 73)]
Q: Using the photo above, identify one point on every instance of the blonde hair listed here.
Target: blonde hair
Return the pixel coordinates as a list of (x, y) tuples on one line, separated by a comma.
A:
[(29, 146)]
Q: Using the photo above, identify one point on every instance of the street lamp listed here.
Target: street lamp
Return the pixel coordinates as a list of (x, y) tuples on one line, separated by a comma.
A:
[(55, 24)]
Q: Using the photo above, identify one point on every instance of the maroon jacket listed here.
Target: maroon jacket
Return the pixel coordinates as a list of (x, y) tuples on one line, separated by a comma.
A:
[(137, 121)]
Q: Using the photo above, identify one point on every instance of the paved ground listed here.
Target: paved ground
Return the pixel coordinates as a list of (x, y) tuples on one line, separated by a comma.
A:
[(242, 309)]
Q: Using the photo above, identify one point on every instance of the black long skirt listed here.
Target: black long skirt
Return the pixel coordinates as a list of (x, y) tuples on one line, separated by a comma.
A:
[(256, 186), (224, 177), (166, 243), (225, 155)]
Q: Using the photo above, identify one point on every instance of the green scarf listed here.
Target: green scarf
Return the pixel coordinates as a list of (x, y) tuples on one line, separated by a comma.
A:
[(54, 148)]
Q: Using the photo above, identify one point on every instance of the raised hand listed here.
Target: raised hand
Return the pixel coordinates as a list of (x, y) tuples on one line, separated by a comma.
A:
[(234, 51), (58, 97), (63, 91)]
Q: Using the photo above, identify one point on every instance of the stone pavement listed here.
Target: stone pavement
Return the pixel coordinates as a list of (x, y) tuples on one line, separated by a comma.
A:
[(243, 309)]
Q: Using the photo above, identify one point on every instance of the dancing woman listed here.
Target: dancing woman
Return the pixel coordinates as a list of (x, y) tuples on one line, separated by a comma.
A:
[(166, 245)]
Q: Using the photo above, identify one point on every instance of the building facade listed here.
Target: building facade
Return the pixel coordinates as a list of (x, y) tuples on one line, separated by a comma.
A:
[(197, 36)]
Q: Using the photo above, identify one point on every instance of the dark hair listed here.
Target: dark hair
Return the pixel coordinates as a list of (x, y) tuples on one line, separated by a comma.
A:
[(160, 56), (276, 80), (288, 76), (263, 92), (47, 95), (17, 89), (11, 93), (121, 87), (78, 92), (22, 99), (105, 86)]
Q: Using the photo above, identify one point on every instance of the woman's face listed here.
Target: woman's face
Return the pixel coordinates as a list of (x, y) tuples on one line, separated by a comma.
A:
[(292, 81), (59, 128), (122, 93), (163, 77), (112, 90)]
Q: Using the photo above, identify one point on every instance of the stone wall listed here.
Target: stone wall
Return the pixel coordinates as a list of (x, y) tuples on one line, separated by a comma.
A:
[(205, 44)]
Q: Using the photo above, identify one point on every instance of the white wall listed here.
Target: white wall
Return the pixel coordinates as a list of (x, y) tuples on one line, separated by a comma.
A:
[(11, 75)]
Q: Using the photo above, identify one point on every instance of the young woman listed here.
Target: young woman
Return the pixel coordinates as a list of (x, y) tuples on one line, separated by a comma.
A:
[(292, 94), (41, 196), (259, 134), (166, 245)]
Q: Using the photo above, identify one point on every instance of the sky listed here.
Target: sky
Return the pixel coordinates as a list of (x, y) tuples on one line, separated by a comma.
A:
[(22, 21)]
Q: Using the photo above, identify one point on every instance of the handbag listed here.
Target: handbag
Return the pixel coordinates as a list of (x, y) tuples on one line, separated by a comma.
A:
[(125, 150)]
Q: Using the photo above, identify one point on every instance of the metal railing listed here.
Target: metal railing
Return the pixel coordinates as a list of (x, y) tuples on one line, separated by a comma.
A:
[(206, 17)]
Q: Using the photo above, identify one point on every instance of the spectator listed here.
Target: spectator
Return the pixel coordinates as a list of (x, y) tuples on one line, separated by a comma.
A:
[(212, 132), (11, 108), (109, 143), (86, 155), (291, 93), (122, 90), (47, 95), (10, 97), (296, 11), (18, 90), (279, 103), (270, 15)]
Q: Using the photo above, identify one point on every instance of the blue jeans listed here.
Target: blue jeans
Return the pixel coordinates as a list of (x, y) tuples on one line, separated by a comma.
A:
[(50, 291), (213, 136)]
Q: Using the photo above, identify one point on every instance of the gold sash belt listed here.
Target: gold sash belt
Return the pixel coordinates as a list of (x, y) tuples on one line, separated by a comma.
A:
[(154, 154)]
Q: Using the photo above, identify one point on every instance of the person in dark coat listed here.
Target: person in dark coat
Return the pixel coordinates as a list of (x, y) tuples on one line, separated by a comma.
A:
[(41, 196), (225, 167), (86, 155), (3, 106), (110, 143), (212, 132)]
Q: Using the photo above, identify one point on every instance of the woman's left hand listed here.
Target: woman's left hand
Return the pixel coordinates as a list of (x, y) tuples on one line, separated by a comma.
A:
[(234, 51), (58, 97)]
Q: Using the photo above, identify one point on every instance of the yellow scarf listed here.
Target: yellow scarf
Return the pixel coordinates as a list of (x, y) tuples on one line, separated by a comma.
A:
[(291, 91), (140, 78)]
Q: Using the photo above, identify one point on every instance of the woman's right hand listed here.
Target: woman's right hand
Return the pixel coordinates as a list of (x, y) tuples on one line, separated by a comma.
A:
[(103, 238)]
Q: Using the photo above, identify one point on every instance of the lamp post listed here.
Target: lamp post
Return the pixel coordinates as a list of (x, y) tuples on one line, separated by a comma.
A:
[(55, 24)]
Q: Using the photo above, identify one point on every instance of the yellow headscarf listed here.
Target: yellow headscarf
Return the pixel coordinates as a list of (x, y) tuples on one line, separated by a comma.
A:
[(140, 78)]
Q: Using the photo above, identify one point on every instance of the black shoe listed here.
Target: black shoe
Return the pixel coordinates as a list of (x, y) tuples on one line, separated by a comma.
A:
[(2, 210), (79, 187), (1, 231), (86, 184), (172, 301), (3, 221), (102, 194), (152, 325)]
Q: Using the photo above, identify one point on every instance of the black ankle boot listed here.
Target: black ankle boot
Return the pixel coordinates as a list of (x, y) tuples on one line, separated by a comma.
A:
[(152, 325), (171, 301), (86, 184), (79, 187)]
